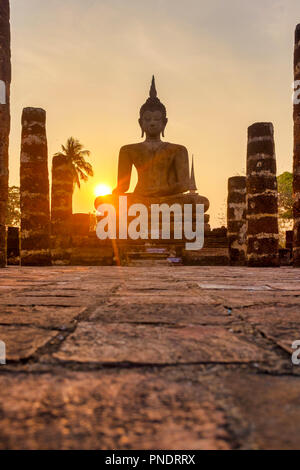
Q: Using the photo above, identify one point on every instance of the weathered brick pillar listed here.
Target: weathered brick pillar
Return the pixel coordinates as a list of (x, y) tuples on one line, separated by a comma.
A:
[(296, 165), (289, 240), (5, 79), (236, 220), (34, 190), (262, 197), (61, 211)]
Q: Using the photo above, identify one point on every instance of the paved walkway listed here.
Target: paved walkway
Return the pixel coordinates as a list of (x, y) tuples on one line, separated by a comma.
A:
[(170, 358)]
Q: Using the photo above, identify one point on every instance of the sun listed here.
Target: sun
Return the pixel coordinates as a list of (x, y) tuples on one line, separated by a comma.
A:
[(102, 190)]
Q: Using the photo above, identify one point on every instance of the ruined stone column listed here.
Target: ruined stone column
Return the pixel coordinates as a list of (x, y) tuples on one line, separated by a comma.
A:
[(289, 235), (296, 163), (236, 220), (61, 210), (262, 197), (5, 79), (34, 190)]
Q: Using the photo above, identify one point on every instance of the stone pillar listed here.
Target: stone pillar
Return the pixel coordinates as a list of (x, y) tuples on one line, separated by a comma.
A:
[(296, 164), (61, 210), (5, 79), (289, 240), (13, 246), (34, 190), (236, 220), (262, 197)]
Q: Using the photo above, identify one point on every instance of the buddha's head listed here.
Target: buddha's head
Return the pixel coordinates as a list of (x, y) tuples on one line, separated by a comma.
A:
[(153, 115)]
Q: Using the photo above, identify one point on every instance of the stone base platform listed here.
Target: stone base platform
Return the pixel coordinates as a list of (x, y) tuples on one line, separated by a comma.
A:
[(149, 358)]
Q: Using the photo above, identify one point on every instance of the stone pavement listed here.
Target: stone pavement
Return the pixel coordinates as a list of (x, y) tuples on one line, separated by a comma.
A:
[(149, 358)]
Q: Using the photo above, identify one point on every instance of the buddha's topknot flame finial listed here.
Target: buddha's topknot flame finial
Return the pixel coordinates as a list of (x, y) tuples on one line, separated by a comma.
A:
[(153, 103), (153, 92)]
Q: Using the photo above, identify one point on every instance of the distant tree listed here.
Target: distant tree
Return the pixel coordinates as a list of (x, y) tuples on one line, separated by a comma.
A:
[(13, 213), (285, 204), (75, 154), (285, 195)]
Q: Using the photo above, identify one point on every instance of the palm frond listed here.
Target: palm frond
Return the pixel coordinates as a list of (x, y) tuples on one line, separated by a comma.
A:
[(74, 152), (59, 154), (82, 175), (75, 177)]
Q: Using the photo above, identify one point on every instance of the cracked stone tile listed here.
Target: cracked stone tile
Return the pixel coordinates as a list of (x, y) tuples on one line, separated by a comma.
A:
[(171, 313), (22, 342), (238, 286), (46, 301), (52, 292), (40, 316), (148, 291), (148, 344), (279, 323), (291, 285), (238, 299), (192, 298)]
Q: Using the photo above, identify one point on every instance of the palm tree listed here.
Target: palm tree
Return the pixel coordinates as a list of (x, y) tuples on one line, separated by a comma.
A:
[(75, 154)]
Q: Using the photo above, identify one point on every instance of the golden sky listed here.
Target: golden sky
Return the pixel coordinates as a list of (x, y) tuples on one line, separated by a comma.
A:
[(219, 66)]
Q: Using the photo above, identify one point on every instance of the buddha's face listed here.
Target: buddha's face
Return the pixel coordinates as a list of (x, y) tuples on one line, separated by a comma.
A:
[(153, 123)]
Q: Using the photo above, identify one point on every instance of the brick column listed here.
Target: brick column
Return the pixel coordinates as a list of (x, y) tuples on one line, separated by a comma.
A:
[(34, 190), (262, 197), (5, 79), (296, 164), (236, 220), (289, 240), (61, 210)]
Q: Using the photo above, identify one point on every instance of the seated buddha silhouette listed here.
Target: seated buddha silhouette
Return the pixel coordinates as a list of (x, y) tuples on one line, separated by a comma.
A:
[(162, 167)]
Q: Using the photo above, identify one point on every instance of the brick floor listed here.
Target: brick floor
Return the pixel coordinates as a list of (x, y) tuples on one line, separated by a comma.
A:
[(159, 357)]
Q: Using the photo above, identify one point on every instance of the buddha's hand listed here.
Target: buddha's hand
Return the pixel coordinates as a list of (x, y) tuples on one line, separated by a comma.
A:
[(167, 190)]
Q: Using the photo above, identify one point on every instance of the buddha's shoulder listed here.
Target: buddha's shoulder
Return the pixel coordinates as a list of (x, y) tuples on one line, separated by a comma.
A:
[(129, 148), (177, 147)]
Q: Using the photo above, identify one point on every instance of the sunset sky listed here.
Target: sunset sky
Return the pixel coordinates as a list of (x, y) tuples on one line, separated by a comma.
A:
[(219, 67)]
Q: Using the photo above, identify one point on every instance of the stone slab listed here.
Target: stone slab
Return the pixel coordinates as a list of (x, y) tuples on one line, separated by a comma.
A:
[(22, 342), (60, 318), (169, 313), (46, 300), (148, 344), (279, 322)]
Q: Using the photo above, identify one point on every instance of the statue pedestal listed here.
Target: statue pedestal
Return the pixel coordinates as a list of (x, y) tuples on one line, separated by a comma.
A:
[(146, 250), (122, 204)]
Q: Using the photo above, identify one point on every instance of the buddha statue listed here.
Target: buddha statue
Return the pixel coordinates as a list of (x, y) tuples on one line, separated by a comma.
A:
[(162, 167)]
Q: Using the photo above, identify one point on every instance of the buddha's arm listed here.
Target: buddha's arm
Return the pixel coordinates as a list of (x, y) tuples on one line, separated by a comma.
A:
[(124, 171), (182, 173), (182, 170)]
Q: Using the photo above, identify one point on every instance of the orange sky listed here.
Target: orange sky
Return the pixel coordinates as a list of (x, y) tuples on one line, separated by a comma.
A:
[(219, 67)]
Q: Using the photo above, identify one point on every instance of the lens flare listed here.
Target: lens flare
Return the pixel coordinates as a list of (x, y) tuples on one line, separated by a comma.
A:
[(102, 190)]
